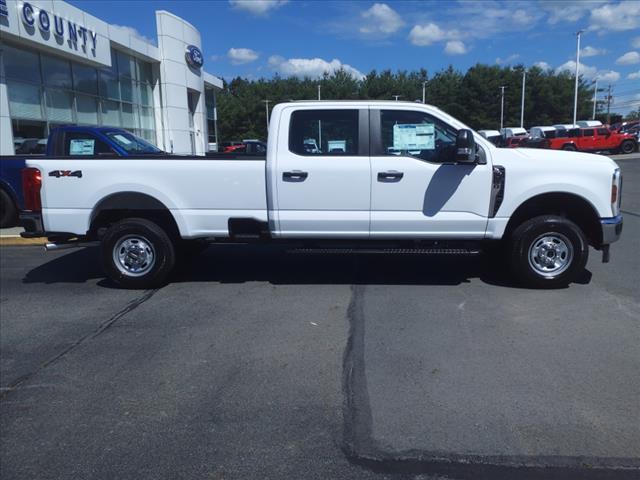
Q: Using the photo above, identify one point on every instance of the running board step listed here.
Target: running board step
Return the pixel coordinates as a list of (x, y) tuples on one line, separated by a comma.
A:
[(387, 251)]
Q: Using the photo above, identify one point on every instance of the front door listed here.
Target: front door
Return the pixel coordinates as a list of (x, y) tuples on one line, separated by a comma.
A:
[(417, 189), (322, 176)]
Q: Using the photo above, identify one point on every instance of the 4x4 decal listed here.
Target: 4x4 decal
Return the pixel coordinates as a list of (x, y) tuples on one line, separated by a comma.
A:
[(66, 173)]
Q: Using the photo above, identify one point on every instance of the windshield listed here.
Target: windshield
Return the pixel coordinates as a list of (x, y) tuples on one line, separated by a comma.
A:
[(132, 144)]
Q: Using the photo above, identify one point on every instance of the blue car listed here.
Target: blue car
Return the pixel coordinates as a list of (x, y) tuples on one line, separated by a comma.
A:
[(69, 141)]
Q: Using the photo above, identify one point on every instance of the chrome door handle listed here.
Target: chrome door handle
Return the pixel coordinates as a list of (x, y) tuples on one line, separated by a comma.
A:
[(294, 176), (390, 176)]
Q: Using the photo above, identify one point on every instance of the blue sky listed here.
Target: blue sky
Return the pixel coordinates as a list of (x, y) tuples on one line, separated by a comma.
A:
[(257, 38)]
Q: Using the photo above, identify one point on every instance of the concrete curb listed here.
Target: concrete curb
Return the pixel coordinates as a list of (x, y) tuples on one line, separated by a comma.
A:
[(12, 241)]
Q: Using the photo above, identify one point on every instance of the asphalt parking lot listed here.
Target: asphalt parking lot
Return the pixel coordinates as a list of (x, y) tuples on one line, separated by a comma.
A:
[(255, 364)]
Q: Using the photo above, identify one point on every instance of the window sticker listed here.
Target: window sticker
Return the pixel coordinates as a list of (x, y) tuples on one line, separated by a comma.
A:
[(337, 145), (82, 146), (122, 139), (414, 136)]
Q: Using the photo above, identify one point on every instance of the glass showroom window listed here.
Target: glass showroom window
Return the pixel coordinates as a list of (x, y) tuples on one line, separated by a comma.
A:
[(46, 91), (210, 104)]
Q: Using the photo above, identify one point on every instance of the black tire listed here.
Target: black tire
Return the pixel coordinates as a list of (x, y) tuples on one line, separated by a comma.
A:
[(8, 210), (569, 147), (552, 239), (149, 254), (628, 146)]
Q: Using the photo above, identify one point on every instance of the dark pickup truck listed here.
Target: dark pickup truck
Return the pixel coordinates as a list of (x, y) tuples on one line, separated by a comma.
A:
[(63, 142)]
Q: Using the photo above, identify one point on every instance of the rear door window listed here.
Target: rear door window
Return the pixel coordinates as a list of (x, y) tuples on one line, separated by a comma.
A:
[(603, 131), (588, 132), (324, 132)]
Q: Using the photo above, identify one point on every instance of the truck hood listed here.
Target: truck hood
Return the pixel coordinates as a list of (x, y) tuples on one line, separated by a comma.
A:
[(538, 156)]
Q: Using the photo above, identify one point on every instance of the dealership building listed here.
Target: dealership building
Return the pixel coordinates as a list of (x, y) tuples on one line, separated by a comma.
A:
[(62, 66)]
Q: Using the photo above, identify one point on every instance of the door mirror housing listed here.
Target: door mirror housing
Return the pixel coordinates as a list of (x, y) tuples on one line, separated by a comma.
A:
[(465, 147)]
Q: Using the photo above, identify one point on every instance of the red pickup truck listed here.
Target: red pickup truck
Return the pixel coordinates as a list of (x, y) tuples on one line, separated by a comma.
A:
[(595, 139)]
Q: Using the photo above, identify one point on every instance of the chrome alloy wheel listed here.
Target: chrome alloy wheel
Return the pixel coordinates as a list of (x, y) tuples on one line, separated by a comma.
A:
[(134, 256), (550, 254)]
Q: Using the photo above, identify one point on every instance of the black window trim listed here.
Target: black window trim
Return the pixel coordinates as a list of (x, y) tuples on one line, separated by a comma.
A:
[(363, 134)]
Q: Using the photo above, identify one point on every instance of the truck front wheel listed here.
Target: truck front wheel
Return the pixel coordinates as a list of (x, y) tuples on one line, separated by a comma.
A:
[(137, 253), (548, 252)]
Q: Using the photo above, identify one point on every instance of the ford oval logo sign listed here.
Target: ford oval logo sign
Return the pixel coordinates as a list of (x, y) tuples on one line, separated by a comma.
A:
[(194, 56)]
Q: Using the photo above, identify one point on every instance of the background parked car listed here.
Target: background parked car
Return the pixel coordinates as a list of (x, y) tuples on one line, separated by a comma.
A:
[(62, 142), (494, 136), (594, 140)]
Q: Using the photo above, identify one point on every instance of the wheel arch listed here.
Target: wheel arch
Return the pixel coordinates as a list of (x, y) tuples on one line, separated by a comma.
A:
[(569, 205), (120, 205)]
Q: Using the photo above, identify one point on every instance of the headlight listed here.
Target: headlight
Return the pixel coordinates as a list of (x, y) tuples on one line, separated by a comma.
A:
[(616, 192)]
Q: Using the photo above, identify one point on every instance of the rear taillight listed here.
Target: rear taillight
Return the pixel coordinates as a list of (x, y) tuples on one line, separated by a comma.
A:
[(31, 184)]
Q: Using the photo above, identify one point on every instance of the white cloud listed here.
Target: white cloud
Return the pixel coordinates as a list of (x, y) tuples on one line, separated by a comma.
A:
[(311, 67), (239, 56), (629, 58), (567, 11), (455, 47), (585, 71), (134, 33), (616, 17), (634, 75), (510, 58), (590, 73), (257, 7), (381, 19), (544, 65), (635, 43), (589, 51), (608, 76), (424, 35)]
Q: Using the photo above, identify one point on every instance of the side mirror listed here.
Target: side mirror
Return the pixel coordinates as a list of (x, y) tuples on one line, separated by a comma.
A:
[(465, 147)]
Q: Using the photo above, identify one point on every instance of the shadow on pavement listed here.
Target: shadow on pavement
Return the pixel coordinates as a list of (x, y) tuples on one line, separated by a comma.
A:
[(239, 264)]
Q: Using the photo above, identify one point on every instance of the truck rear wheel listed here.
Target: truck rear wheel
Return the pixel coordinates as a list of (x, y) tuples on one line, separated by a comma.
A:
[(137, 253), (8, 211), (569, 147), (628, 146), (548, 252)]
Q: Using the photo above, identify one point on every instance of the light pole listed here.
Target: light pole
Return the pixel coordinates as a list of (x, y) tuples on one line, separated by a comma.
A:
[(524, 79), (424, 92), (502, 87), (396, 97), (575, 95), (266, 109), (319, 121), (595, 93)]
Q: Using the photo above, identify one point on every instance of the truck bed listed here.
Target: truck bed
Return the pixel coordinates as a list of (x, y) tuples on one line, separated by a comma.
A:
[(202, 193)]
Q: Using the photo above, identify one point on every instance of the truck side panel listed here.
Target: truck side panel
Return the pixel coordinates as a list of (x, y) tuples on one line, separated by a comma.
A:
[(201, 194)]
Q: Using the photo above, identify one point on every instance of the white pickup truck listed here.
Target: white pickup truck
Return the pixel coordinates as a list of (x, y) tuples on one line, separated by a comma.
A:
[(378, 176)]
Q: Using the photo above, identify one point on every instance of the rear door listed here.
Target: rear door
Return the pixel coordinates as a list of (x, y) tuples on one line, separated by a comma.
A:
[(417, 189), (588, 141), (323, 173)]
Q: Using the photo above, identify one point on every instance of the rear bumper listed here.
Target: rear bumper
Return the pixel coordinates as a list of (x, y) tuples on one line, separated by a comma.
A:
[(611, 229), (32, 224), (34, 228)]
